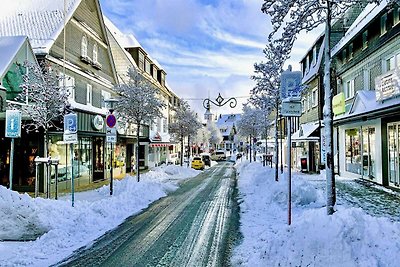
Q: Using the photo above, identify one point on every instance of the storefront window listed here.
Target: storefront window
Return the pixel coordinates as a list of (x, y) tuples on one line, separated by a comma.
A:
[(353, 151), (368, 152), (392, 153), (82, 158)]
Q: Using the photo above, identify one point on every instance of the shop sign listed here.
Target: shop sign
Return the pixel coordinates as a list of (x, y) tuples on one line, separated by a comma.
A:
[(13, 123), (98, 122), (339, 104), (156, 137), (387, 85), (323, 146)]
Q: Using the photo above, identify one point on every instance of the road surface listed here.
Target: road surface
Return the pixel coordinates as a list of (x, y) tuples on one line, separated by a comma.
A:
[(194, 226)]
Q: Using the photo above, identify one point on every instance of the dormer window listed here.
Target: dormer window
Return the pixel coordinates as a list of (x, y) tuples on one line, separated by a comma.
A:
[(84, 46), (396, 15), (141, 61), (314, 52), (350, 51), (365, 39), (95, 53), (383, 24)]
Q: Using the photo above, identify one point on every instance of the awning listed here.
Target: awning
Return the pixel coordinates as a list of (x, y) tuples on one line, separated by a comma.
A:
[(305, 131), (160, 144)]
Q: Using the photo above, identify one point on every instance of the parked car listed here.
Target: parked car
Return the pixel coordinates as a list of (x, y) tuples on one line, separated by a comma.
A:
[(197, 163), (219, 155), (206, 159)]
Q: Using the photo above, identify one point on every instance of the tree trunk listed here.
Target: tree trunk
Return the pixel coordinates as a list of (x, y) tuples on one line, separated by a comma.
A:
[(45, 174), (182, 150), (276, 142), (250, 148), (328, 121), (137, 152), (188, 154)]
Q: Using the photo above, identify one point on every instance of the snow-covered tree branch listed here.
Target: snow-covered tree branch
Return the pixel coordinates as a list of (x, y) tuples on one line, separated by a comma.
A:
[(139, 103)]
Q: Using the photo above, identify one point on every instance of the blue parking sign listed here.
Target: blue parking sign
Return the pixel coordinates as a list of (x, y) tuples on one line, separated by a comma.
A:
[(13, 123), (70, 123)]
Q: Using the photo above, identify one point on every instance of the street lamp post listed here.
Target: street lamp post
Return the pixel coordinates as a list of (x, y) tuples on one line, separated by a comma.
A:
[(111, 122)]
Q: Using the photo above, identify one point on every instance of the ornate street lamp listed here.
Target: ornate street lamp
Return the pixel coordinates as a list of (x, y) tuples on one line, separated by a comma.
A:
[(219, 102)]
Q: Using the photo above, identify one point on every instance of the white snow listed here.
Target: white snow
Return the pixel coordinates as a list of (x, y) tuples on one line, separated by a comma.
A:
[(349, 237), (68, 228)]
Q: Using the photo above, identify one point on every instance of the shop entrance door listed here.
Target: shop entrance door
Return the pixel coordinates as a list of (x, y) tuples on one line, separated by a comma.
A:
[(98, 158), (394, 154)]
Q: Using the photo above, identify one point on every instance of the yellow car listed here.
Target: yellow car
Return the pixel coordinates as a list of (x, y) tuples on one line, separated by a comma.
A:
[(197, 163)]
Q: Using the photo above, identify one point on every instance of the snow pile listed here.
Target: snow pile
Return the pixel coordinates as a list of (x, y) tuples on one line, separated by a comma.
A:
[(350, 237), (67, 228)]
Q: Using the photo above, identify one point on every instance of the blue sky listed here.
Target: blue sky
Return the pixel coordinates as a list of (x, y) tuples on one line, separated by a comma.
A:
[(205, 46)]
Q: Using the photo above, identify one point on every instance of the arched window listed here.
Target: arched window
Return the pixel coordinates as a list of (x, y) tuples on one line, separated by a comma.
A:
[(84, 46), (95, 52)]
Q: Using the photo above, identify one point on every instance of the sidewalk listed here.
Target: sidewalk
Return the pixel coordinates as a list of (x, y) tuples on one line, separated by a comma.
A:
[(374, 199)]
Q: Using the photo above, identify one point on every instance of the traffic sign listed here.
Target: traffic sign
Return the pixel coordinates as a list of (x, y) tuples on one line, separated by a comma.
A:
[(70, 123), (111, 120), (13, 123), (70, 135), (111, 135), (291, 108)]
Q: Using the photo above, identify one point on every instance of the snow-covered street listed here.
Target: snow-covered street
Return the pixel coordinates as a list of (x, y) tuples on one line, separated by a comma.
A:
[(363, 231), (68, 228), (352, 236)]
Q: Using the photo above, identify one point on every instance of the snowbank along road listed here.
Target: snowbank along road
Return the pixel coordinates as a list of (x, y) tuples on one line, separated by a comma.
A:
[(193, 226)]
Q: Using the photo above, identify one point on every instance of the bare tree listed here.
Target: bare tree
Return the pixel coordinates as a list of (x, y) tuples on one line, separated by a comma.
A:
[(43, 99), (139, 103), (184, 124)]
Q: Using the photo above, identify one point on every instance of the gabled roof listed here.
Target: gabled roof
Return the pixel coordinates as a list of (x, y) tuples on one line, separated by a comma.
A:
[(227, 122), (365, 17), (41, 20), (124, 40), (314, 67), (9, 47)]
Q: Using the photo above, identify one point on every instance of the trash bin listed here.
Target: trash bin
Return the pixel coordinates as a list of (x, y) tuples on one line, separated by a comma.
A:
[(304, 164)]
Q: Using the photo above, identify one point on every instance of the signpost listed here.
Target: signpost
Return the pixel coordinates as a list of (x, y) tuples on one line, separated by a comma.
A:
[(111, 137), (71, 138), (291, 107), (13, 130)]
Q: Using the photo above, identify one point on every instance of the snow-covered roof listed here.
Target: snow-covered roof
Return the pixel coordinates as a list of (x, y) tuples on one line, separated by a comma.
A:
[(314, 67), (41, 20), (124, 40), (226, 122), (365, 103), (9, 47), (365, 17), (305, 130)]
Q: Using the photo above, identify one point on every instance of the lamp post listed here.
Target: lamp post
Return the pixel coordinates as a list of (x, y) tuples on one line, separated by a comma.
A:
[(111, 134), (219, 102)]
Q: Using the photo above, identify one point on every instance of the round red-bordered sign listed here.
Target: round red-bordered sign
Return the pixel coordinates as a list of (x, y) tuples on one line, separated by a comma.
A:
[(111, 120)]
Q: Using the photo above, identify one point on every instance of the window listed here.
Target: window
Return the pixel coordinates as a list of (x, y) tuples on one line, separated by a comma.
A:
[(309, 101), (165, 125), (314, 52), (89, 92), (162, 79), (383, 24), (147, 66), (141, 61), (350, 51), (365, 39), (314, 97), (349, 89), (307, 63), (69, 86), (155, 72), (353, 150), (95, 53), (84, 46), (344, 55), (303, 105), (390, 63), (396, 16)]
